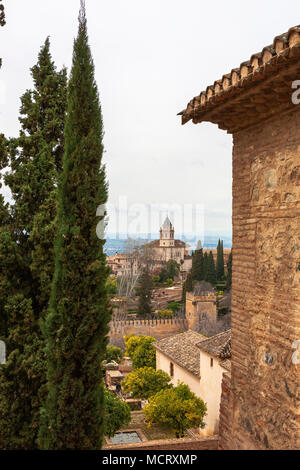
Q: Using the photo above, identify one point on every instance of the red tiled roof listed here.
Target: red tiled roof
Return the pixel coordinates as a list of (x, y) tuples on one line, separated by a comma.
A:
[(285, 49), (182, 349)]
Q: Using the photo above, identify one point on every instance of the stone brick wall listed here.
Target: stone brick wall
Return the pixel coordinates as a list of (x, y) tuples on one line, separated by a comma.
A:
[(266, 284), (226, 408), (158, 329), (199, 306)]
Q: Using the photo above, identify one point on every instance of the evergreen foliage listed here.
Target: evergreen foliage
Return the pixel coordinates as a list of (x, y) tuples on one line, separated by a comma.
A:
[(211, 270), (166, 313), (113, 353), (229, 272), (189, 283), (198, 266), (26, 249), (116, 413), (220, 262), (76, 326), (2, 20), (145, 294)]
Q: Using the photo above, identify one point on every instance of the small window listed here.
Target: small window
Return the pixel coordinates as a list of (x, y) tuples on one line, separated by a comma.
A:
[(211, 362), (171, 369)]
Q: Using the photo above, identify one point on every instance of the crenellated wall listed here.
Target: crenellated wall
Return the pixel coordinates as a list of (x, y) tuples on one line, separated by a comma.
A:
[(158, 329)]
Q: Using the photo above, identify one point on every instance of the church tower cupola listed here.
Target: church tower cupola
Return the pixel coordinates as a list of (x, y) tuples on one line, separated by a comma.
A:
[(167, 233)]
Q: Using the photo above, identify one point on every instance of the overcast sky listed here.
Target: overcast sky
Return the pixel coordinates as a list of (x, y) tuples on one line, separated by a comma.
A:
[(151, 58)]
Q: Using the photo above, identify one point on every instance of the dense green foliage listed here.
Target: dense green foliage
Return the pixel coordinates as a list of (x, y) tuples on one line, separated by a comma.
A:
[(177, 409), (2, 20), (26, 250), (169, 272), (220, 262), (174, 306), (141, 351), (76, 326), (145, 294), (146, 382), (210, 271), (198, 266), (113, 353), (166, 313), (111, 286), (116, 413)]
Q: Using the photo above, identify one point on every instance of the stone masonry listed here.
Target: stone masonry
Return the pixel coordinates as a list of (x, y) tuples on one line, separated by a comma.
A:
[(254, 103)]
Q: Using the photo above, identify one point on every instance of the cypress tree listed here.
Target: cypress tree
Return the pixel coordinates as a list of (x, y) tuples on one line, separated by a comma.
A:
[(2, 20), (35, 161), (76, 326), (205, 266), (189, 283), (220, 261), (229, 272), (211, 269), (197, 266), (145, 294)]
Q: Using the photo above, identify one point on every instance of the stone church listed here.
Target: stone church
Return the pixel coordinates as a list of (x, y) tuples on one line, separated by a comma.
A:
[(167, 248)]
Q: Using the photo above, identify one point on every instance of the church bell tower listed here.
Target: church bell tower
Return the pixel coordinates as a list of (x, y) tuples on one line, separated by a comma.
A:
[(167, 233)]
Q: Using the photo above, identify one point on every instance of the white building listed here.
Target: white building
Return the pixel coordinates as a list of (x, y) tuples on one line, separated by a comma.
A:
[(200, 363)]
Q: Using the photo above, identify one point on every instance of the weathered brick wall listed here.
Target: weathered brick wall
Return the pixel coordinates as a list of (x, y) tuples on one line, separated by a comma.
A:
[(158, 329), (226, 409), (199, 306), (266, 284)]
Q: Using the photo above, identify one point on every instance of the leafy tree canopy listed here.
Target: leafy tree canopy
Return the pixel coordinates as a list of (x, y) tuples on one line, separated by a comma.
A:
[(116, 413), (141, 351), (166, 313), (113, 353), (177, 409), (146, 382)]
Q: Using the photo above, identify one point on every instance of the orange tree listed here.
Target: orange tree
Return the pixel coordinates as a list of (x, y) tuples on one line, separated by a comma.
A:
[(177, 409), (141, 351), (146, 382)]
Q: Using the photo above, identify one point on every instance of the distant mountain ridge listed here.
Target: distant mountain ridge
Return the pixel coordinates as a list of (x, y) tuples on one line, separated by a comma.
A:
[(210, 242)]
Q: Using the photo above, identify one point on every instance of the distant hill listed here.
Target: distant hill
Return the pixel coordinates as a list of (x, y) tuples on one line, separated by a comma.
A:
[(210, 242)]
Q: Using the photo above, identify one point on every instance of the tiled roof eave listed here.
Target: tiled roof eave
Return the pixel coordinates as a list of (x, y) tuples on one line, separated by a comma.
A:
[(179, 363), (208, 110)]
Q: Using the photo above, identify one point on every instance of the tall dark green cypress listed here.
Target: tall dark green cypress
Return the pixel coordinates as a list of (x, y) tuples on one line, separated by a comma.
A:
[(211, 269), (34, 158), (205, 266), (189, 283), (229, 272), (220, 261), (145, 294), (76, 327), (2, 20), (197, 266)]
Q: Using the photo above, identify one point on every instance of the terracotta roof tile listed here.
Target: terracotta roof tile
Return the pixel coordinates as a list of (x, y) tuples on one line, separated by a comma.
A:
[(182, 350), (156, 244), (218, 346), (247, 73)]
